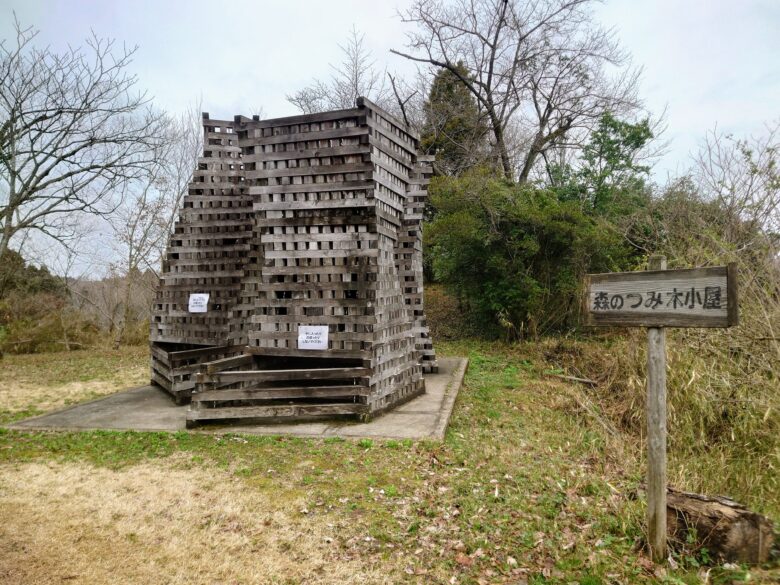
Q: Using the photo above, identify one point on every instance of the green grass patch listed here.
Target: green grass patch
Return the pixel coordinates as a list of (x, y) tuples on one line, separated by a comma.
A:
[(525, 487)]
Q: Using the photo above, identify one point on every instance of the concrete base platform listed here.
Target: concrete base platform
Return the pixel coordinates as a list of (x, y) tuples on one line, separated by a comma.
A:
[(149, 408)]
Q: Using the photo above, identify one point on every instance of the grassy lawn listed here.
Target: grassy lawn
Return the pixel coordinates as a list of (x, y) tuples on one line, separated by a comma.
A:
[(527, 488)]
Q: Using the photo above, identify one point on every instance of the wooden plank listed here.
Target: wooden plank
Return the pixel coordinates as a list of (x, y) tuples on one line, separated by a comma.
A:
[(285, 375), (229, 362), (351, 203), (355, 185), (733, 294), (303, 137), (316, 170), (353, 236), (280, 393), (159, 354), (350, 253), (307, 353), (310, 118), (306, 153), (275, 411), (320, 220), (204, 351), (699, 297), (364, 102), (161, 381), (656, 434)]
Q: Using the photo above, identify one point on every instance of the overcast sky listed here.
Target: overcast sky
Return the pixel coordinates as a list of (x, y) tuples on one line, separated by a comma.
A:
[(708, 63)]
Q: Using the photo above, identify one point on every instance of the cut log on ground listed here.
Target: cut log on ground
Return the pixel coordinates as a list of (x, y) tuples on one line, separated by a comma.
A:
[(727, 529)]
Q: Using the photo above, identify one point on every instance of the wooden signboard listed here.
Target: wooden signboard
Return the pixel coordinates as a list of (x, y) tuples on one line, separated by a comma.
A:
[(699, 297), (658, 298)]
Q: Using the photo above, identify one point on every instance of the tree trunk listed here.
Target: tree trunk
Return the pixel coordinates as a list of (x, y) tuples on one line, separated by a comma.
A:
[(528, 165), (498, 134), (5, 238), (65, 340), (120, 330), (728, 530), (538, 147)]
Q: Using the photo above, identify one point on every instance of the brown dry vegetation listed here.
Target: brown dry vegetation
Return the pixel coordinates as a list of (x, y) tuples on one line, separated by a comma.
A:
[(151, 523), (34, 383), (723, 410)]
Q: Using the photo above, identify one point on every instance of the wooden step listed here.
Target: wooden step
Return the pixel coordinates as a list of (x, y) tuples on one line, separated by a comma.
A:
[(364, 355), (228, 362), (280, 393), (280, 411), (286, 375), (203, 352)]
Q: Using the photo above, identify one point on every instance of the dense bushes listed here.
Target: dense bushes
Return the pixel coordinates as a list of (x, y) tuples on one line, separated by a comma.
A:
[(516, 255), (41, 311), (21, 277)]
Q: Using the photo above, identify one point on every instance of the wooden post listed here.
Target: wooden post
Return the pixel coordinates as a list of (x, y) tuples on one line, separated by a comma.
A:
[(659, 298), (656, 433)]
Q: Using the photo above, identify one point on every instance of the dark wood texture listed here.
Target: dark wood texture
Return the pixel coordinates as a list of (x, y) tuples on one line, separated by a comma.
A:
[(655, 405), (666, 283), (308, 220), (727, 529), (174, 366)]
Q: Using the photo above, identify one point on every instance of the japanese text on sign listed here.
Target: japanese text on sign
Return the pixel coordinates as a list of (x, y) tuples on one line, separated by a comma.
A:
[(198, 303), (710, 298), (313, 337), (700, 297)]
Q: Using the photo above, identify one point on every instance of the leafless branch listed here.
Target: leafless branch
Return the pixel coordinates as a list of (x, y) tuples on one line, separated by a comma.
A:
[(356, 76), (538, 70), (73, 132)]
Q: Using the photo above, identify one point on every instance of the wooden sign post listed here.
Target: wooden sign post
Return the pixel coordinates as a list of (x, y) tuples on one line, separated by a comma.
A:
[(659, 298), (655, 402)]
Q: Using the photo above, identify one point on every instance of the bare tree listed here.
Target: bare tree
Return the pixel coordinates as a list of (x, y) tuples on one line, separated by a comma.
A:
[(535, 68), (356, 76), (143, 220), (743, 176), (569, 90), (184, 147), (73, 130)]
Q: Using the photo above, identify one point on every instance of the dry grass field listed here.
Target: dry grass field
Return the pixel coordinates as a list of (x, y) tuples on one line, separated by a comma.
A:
[(528, 487), (35, 383), (73, 523)]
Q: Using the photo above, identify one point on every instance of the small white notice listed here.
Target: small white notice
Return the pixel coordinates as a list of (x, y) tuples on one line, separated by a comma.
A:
[(199, 303), (313, 337)]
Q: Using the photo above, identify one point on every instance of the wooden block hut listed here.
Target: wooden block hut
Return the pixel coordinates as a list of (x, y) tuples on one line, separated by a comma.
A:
[(305, 235)]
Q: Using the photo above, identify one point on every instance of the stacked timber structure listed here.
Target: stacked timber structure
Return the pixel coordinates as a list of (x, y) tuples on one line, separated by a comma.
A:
[(305, 233)]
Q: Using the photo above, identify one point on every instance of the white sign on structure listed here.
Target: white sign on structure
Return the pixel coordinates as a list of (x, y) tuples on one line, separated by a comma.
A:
[(199, 303), (313, 337)]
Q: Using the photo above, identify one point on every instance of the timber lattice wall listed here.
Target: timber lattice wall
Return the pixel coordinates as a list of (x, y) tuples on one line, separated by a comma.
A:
[(305, 220)]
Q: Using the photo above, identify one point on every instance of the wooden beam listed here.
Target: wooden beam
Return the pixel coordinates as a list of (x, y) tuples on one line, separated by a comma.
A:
[(656, 434), (277, 393)]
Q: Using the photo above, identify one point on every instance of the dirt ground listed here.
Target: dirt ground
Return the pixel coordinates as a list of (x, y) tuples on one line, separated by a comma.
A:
[(74, 523)]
